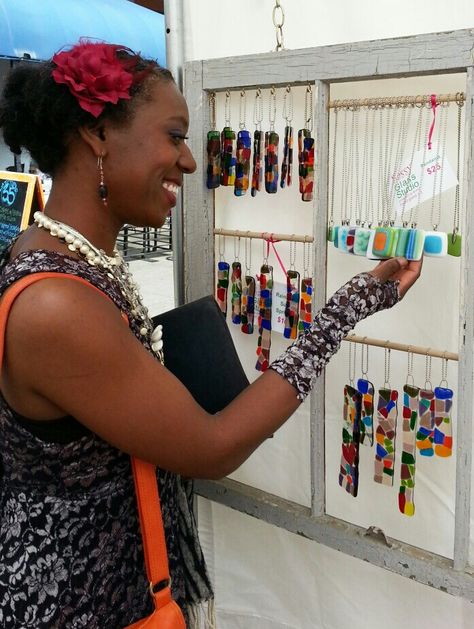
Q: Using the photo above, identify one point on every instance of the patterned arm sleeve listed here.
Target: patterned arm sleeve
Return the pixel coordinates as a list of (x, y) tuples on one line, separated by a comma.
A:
[(305, 359)]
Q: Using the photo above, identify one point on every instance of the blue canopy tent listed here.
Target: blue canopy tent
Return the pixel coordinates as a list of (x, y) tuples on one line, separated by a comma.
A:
[(36, 29)]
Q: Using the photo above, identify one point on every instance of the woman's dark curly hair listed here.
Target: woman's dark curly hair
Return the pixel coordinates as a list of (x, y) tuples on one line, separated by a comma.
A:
[(40, 115)]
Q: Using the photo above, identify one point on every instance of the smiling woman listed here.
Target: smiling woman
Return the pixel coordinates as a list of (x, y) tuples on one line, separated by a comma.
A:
[(81, 391)]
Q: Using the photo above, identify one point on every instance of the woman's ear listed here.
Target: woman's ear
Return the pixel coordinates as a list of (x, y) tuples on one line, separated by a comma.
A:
[(95, 137)]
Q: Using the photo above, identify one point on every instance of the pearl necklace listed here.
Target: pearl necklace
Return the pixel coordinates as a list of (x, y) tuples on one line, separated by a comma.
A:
[(114, 266)]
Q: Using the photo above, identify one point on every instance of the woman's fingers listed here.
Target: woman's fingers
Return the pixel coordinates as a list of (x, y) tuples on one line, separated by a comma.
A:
[(406, 272), (409, 275)]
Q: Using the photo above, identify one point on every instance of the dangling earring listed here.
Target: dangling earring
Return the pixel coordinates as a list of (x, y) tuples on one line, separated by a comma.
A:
[(103, 192)]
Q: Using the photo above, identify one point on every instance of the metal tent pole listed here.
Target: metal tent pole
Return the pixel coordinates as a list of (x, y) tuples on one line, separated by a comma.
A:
[(174, 24)]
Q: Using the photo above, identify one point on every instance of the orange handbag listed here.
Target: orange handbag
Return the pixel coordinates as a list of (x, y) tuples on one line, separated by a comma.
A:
[(167, 614)]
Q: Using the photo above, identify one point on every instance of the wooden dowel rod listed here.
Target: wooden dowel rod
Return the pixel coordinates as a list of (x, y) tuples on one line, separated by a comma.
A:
[(394, 101), (401, 347), (262, 235)]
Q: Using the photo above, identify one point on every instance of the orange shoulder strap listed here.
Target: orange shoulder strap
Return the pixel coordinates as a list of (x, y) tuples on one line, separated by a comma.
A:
[(144, 474)]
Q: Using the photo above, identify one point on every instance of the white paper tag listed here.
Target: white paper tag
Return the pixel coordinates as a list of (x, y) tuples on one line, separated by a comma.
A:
[(278, 307), (427, 178)]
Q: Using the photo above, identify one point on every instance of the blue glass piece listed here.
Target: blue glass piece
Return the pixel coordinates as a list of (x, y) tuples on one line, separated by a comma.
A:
[(433, 244), (443, 393)]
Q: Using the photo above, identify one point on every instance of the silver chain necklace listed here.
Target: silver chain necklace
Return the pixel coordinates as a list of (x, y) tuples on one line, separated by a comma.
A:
[(115, 268)]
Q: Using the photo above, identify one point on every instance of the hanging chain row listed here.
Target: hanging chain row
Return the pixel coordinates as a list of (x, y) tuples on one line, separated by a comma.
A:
[(278, 17)]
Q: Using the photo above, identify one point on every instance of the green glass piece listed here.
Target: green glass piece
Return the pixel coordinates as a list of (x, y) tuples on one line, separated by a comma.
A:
[(454, 245), (388, 471), (408, 458), (331, 233), (403, 235), (361, 241)]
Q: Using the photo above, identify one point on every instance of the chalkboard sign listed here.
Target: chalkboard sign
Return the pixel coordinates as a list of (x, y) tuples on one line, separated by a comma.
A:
[(20, 196)]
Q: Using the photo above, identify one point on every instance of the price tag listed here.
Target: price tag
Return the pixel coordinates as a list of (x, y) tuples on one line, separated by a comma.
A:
[(278, 307), (428, 177)]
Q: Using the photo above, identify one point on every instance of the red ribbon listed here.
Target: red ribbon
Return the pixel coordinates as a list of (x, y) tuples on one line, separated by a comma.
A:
[(271, 241), (434, 104)]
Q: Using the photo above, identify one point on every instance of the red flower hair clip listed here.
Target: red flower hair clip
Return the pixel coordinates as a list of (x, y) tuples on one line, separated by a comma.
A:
[(94, 74)]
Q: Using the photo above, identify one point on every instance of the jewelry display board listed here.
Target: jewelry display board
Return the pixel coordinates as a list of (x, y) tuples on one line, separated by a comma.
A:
[(430, 54)]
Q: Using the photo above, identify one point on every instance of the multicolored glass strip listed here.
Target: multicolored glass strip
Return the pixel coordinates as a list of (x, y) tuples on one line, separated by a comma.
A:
[(387, 412), (306, 299), (242, 167), (349, 469), (264, 318), (350, 242), (213, 179), (443, 436), (271, 161), (248, 304), (222, 285), (287, 163), (425, 432), (257, 163), (228, 159), (366, 389), (292, 302), (406, 493), (236, 291), (306, 164)]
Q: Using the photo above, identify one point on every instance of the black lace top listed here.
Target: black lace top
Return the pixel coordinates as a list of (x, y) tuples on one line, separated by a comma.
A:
[(70, 545)]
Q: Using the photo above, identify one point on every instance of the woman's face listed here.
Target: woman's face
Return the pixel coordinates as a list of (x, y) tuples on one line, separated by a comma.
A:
[(146, 160)]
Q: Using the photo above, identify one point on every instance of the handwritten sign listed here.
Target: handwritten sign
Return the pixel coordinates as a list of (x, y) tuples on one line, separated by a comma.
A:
[(429, 175), (278, 307), (20, 196)]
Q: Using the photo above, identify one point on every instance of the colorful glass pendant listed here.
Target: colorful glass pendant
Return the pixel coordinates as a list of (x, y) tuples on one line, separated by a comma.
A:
[(213, 178), (349, 468), (443, 437), (271, 161), (244, 142), (306, 149), (361, 241), (228, 158), (436, 244), (306, 164), (271, 148), (292, 303), (257, 163), (242, 167), (387, 413), (222, 285), (257, 144), (425, 433), (366, 389), (287, 164), (264, 318), (306, 299), (236, 291), (406, 493), (248, 304), (454, 244)]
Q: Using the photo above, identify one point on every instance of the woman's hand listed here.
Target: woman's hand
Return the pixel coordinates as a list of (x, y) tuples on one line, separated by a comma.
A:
[(406, 272)]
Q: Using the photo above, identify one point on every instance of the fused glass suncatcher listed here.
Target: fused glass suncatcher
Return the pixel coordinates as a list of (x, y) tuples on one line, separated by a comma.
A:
[(349, 468), (406, 493), (242, 166), (236, 291), (387, 412), (292, 304), (248, 304), (264, 318)]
